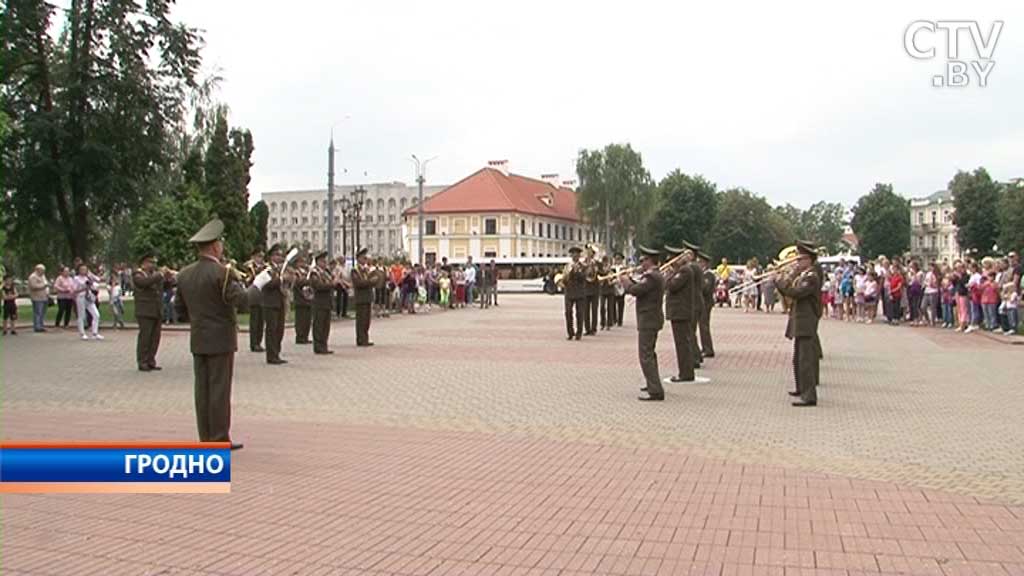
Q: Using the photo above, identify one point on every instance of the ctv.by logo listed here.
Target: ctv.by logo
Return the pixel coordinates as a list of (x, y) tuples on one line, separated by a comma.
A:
[(957, 73)]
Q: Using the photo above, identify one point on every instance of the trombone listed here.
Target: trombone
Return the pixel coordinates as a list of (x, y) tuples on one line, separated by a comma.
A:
[(787, 257)]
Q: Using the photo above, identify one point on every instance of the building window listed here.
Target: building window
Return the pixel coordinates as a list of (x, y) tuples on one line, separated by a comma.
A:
[(273, 235), (295, 220), (556, 232), (522, 229), (430, 258), (490, 226), (380, 218), (273, 221), (920, 217), (316, 235), (490, 254), (549, 231), (391, 218), (430, 227), (305, 220), (315, 220), (295, 236)]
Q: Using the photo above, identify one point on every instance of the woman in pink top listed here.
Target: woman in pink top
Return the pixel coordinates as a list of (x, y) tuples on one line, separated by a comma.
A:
[(64, 285)]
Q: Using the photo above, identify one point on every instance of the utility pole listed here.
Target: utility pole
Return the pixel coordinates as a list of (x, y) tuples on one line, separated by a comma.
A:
[(330, 199)]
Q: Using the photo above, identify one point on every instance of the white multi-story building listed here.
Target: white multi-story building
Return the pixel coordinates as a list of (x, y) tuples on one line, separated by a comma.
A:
[(932, 231), (299, 217)]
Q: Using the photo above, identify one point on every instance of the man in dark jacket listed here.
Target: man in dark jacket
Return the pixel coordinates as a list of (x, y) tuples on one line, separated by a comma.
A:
[(364, 279), (708, 281), (649, 292), (803, 285), (255, 266), (209, 298), (274, 310), (679, 304), (572, 282), (149, 287), (322, 283)]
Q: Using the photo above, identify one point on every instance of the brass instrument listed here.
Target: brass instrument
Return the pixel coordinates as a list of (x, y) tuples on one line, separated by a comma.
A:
[(164, 270), (233, 274), (787, 257)]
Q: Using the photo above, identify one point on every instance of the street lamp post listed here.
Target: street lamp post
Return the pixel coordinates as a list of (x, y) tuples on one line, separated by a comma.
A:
[(421, 169), (358, 195), (345, 205)]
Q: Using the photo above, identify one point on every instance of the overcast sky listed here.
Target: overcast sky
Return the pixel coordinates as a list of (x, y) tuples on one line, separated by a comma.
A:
[(798, 103)]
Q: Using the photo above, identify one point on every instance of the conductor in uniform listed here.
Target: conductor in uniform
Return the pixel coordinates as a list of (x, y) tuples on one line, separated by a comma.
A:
[(707, 347), (572, 280), (649, 291), (209, 297), (274, 309), (255, 266), (364, 280), (322, 282), (679, 309), (149, 288), (803, 285)]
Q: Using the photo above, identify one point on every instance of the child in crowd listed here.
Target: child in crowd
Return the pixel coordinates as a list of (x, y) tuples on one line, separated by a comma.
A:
[(871, 297), (117, 301), (989, 295), (948, 298), (10, 294), (860, 280), (445, 284), (1008, 307)]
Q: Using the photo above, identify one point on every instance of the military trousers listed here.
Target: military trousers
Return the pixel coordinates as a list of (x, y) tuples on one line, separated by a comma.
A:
[(255, 327), (620, 308), (321, 329), (590, 313), (607, 310), (303, 323), (646, 343), (574, 316), (805, 367), (148, 341), (707, 347), (363, 324), (213, 375), (682, 336), (273, 322)]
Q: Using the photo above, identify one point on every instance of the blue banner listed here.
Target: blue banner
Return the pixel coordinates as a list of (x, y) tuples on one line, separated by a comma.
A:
[(114, 465)]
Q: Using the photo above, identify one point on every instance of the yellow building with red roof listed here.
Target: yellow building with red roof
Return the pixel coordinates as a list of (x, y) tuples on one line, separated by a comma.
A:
[(493, 213)]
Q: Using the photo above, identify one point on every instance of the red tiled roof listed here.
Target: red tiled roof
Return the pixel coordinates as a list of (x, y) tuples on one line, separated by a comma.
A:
[(490, 190)]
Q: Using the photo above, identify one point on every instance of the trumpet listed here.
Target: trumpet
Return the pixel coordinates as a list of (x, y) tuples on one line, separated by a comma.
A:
[(233, 274), (165, 270)]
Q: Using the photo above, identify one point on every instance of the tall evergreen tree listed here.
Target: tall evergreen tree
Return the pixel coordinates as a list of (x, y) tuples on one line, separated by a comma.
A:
[(976, 201), (881, 220)]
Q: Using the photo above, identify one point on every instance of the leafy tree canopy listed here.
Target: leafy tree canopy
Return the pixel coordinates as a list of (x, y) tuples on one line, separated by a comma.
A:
[(881, 220)]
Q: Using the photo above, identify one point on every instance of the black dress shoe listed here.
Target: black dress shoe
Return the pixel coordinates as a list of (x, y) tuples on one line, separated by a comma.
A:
[(258, 349), (304, 342), (155, 367), (579, 336), (801, 404), (712, 355), (144, 368), (644, 389), (793, 393), (570, 337), (277, 361), (365, 345), (324, 352), (678, 379), (651, 398), (237, 445)]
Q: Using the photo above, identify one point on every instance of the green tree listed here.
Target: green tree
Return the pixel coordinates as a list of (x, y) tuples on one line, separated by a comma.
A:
[(166, 224), (226, 167), (258, 216), (881, 220), (687, 206), (793, 216), (822, 223), (614, 189), (90, 112), (747, 227), (1011, 217), (976, 203)]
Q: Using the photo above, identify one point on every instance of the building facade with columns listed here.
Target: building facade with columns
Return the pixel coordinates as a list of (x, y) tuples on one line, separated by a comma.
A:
[(932, 231), (299, 217), (493, 213)]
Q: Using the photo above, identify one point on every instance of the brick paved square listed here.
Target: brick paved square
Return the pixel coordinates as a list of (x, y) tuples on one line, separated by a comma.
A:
[(479, 442)]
